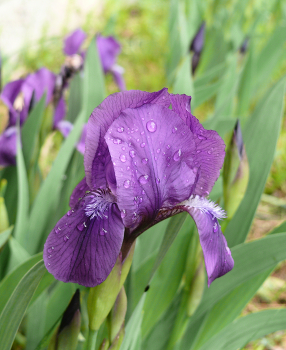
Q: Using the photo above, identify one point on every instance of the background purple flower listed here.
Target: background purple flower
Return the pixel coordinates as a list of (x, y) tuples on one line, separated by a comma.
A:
[(143, 163)]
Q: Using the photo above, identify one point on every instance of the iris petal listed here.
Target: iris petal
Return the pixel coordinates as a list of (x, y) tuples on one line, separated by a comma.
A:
[(8, 147), (78, 192), (85, 243), (97, 155), (217, 255), (209, 146), (153, 162), (73, 42)]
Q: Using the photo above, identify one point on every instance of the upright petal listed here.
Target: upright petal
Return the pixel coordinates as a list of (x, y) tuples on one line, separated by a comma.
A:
[(117, 73), (10, 92), (210, 148), (108, 49), (97, 155), (8, 147), (85, 243), (73, 42), (153, 162), (217, 255), (65, 127)]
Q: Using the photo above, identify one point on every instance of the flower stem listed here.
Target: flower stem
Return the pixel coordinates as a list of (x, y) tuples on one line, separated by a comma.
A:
[(91, 340)]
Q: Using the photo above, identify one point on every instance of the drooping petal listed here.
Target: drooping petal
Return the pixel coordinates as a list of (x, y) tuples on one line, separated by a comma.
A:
[(97, 155), (217, 255), (8, 147), (73, 42), (117, 73), (108, 50), (60, 111), (79, 192), (39, 82), (210, 148), (85, 243), (153, 162), (10, 92)]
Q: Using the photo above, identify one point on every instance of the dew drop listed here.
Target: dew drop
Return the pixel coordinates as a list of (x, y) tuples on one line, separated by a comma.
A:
[(145, 160), (122, 158), (126, 183), (174, 130), (158, 150), (117, 141), (142, 133), (69, 213), (168, 146), (120, 129), (157, 180), (201, 137), (143, 179), (143, 192), (132, 154), (198, 151), (177, 155), (58, 229), (50, 250), (80, 227), (215, 227), (156, 158), (103, 232), (140, 199), (143, 144), (123, 148), (123, 213), (66, 238), (49, 256), (151, 126), (209, 152)]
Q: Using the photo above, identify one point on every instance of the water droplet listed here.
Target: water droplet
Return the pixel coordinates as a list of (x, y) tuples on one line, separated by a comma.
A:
[(168, 165), (128, 168), (168, 146), (123, 213), (201, 137), (158, 150), (142, 133), (126, 183), (177, 155), (143, 192), (80, 227), (122, 158), (158, 180), (198, 151), (228, 251), (49, 264), (120, 129), (174, 130), (50, 250), (183, 133), (145, 160), (140, 199), (49, 256), (143, 179), (123, 148), (215, 227), (69, 213), (143, 144), (58, 229), (142, 118), (151, 126), (209, 152), (117, 141), (66, 238), (132, 154), (102, 232)]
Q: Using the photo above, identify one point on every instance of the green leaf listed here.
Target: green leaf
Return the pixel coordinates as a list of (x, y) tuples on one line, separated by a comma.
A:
[(246, 329), (16, 306), (250, 259), (209, 76), (4, 236), (23, 196), (132, 331), (204, 93), (30, 130), (49, 192), (75, 98), (9, 283), (183, 81), (260, 137), (93, 83), (167, 278), (18, 254)]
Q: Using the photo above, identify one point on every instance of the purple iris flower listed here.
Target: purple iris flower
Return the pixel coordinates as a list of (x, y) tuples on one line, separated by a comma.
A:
[(18, 96), (143, 163), (108, 50)]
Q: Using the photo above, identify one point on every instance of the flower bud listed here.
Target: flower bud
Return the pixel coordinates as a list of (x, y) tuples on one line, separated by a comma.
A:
[(197, 46), (118, 313), (118, 340), (235, 172), (66, 336), (104, 345), (102, 297)]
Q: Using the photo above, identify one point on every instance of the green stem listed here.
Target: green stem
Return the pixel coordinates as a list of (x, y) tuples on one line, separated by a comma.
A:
[(91, 340)]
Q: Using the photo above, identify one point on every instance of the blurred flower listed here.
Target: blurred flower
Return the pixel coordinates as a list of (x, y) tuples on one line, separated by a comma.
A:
[(65, 127), (19, 96), (143, 163), (197, 46), (244, 46), (73, 42)]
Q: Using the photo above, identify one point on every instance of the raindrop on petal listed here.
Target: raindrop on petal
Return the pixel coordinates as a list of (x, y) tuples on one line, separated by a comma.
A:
[(143, 179), (126, 183), (80, 227), (117, 141), (120, 129), (102, 232), (123, 213), (151, 126), (66, 238), (132, 154), (122, 158), (145, 160), (174, 130), (143, 144), (158, 150), (177, 155), (215, 227)]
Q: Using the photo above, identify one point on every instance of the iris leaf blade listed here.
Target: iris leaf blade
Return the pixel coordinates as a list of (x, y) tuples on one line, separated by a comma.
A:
[(4, 236), (17, 304)]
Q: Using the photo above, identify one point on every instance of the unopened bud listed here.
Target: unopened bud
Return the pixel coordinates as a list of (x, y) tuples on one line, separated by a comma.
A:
[(104, 345), (118, 313), (66, 336), (197, 45), (235, 172), (118, 340)]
